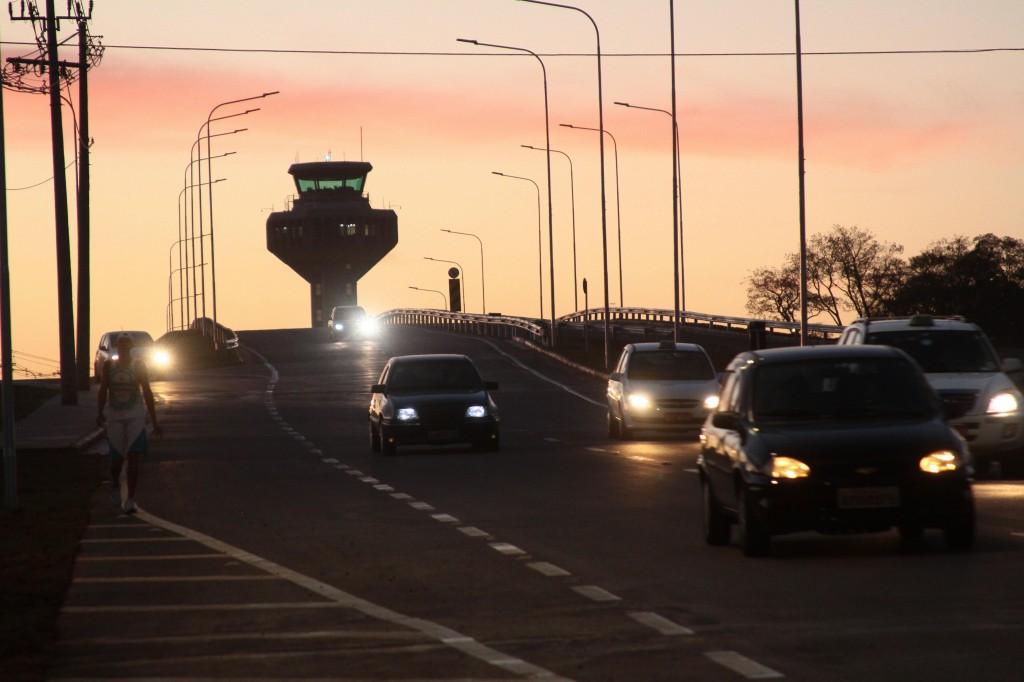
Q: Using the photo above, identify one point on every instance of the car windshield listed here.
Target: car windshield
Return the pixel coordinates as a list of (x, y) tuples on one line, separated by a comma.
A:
[(348, 313), (840, 389), (434, 376), (942, 351), (138, 338), (670, 365)]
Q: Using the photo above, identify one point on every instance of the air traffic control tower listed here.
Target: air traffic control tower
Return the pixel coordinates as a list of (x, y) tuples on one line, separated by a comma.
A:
[(330, 235)]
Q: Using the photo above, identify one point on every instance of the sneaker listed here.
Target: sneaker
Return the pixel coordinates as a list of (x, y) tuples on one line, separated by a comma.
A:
[(129, 506)]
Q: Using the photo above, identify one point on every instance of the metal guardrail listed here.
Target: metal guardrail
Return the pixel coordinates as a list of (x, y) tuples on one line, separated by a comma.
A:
[(226, 339), (687, 317), (495, 325)]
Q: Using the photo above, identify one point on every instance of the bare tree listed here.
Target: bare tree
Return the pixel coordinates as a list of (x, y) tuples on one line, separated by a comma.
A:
[(775, 292), (857, 270)]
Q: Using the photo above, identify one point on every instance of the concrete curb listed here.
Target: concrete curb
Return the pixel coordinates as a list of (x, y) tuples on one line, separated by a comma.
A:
[(89, 438), (561, 359)]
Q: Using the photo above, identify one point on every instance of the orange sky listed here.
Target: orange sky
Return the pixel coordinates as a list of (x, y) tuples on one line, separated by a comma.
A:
[(916, 148)]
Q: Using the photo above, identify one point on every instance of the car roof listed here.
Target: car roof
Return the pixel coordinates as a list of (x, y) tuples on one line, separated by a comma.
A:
[(133, 334), (800, 353), (909, 324), (431, 357), (655, 345)]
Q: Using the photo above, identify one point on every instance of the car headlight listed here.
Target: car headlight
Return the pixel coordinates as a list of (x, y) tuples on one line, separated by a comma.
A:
[(1003, 403), (338, 326), (161, 358), (115, 356), (368, 327), (476, 411), (788, 467), (406, 414), (711, 402), (938, 462), (639, 401)]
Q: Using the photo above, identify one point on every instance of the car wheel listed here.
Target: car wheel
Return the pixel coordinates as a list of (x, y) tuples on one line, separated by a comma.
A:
[(959, 532), (374, 439), (613, 426), (716, 524), (754, 537), (388, 444)]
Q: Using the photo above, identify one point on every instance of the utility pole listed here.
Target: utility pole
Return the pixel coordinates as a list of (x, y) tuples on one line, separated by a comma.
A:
[(84, 293), (801, 172), (6, 353)]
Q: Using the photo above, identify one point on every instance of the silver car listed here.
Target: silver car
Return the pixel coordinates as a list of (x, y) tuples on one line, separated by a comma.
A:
[(660, 386)]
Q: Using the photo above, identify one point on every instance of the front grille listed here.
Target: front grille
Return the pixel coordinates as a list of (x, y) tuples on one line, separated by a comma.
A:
[(676, 403), (448, 416), (958, 403)]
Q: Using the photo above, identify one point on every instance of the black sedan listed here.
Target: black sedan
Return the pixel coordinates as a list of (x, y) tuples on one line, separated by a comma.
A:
[(831, 439), (432, 400)]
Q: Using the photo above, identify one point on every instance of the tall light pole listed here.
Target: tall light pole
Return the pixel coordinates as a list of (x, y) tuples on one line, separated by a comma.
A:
[(462, 271), (678, 194), (540, 255), (182, 254), (572, 197), (800, 170), (604, 216), (618, 207), (483, 290), (547, 137), (6, 352), (434, 291), (209, 174)]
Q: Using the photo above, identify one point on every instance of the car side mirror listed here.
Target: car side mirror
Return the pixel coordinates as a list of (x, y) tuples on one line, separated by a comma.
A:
[(1011, 365), (491, 385), (378, 388), (615, 376), (730, 421)]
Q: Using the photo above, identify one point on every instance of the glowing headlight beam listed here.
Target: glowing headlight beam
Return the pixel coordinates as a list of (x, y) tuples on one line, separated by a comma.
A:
[(938, 462), (788, 467), (711, 402), (639, 401), (406, 414), (1003, 403), (476, 411)]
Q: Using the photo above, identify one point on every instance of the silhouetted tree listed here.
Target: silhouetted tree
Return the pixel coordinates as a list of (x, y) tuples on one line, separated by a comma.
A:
[(855, 270), (774, 293)]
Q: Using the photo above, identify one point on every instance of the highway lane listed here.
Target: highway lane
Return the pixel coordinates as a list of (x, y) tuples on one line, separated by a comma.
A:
[(620, 516)]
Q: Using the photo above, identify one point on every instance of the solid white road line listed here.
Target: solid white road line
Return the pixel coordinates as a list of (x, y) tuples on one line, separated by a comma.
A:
[(444, 518), (178, 579), (421, 506), (433, 630), (506, 549), (550, 570), (540, 376), (595, 593), (659, 623), (738, 663), (474, 532)]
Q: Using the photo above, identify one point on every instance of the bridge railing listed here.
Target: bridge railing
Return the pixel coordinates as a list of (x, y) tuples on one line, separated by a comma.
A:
[(687, 317), (486, 325)]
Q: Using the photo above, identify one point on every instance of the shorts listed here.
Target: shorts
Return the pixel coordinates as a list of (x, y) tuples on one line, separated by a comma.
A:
[(127, 436)]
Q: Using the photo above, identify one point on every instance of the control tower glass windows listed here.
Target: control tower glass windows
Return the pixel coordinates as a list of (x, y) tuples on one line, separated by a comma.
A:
[(322, 184)]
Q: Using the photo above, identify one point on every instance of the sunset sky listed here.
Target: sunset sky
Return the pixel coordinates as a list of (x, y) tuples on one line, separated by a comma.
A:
[(913, 147)]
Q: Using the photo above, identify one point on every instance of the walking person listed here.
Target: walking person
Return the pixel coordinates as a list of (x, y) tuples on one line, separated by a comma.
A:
[(124, 399)]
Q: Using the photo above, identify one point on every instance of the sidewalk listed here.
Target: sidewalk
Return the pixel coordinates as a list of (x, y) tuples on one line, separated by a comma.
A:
[(59, 427)]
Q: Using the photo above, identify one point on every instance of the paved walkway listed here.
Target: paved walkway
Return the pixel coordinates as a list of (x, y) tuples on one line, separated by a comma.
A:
[(59, 427)]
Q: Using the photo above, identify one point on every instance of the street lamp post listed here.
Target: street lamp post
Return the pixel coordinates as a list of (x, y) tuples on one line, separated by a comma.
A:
[(434, 291), (540, 255), (209, 173), (462, 271), (483, 290), (677, 201), (183, 253), (572, 197), (800, 171), (604, 216), (618, 207), (547, 137)]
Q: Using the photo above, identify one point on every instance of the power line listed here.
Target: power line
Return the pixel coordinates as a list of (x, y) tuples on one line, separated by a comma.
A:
[(427, 53), (41, 182)]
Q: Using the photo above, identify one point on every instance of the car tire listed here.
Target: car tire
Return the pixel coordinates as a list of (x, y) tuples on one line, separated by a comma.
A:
[(374, 439), (754, 537), (388, 446), (613, 426), (717, 526), (960, 532)]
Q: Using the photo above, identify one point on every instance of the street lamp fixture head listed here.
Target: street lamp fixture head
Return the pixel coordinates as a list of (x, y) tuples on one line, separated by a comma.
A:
[(268, 94), (623, 104), (467, 40), (239, 130), (497, 173), (566, 125)]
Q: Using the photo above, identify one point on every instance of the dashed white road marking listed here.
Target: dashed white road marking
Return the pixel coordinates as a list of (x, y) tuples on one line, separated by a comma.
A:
[(595, 593), (474, 532), (343, 599), (659, 623), (356, 472), (328, 460), (506, 549), (691, 471), (552, 440), (597, 449), (318, 452), (341, 467), (401, 496), (1016, 534), (383, 487), (421, 506), (550, 570), (178, 579), (640, 458), (369, 479), (748, 668), (445, 518)]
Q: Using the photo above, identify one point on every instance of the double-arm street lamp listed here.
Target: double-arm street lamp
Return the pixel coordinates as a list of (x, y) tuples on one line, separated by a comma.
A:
[(540, 255), (462, 271), (572, 197), (600, 118), (183, 292), (547, 137), (483, 290), (433, 291)]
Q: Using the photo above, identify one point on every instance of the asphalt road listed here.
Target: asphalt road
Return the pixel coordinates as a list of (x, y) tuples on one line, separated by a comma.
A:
[(564, 550)]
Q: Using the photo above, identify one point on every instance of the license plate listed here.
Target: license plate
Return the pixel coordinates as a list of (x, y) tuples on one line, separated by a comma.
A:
[(442, 436), (868, 498)]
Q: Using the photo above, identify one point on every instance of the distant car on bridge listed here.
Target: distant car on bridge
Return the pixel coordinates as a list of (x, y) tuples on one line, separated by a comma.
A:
[(432, 400), (351, 321), (834, 439), (158, 360), (660, 386)]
